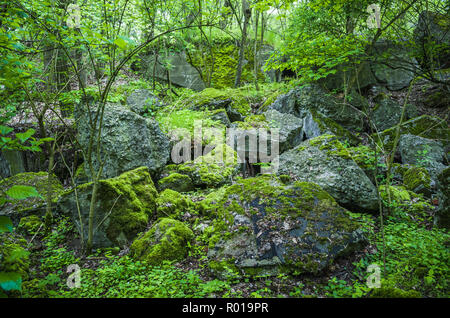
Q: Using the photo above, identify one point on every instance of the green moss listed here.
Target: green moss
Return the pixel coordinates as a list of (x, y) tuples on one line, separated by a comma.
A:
[(134, 195), (39, 180), (417, 179), (268, 198), (172, 204), (167, 240), (210, 99), (270, 100), (177, 182), (397, 194), (213, 169), (30, 224), (424, 126), (331, 145), (392, 292), (219, 64), (13, 255), (80, 175), (329, 126)]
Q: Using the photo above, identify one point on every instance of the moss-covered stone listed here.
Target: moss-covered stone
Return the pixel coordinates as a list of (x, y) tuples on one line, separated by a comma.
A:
[(424, 126), (219, 62), (43, 184), (167, 240), (177, 182), (213, 169), (236, 102), (30, 224), (122, 208), (418, 180), (172, 204), (13, 255), (261, 225), (326, 161), (316, 124)]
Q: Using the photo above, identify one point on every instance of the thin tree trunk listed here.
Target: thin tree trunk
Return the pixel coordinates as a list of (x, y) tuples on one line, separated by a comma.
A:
[(247, 14), (255, 52)]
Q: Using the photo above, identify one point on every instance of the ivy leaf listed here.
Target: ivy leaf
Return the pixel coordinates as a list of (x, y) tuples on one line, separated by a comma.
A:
[(5, 224), (20, 192), (10, 281)]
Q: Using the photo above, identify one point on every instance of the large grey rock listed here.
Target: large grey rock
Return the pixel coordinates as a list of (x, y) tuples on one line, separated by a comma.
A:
[(324, 161), (181, 72), (345, 73), (315, 124), (128, 140), (312, 97), (141, 101), (422, 152), (387, 112), (290, 128), (432, 39), (394, 65), (262, 227), (122, 209)]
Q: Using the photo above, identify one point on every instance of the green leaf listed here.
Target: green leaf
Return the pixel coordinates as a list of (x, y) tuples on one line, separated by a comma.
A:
[(10, 281), (26, 135), (121, 43), (4, 130), (20, 192), (5, 224)]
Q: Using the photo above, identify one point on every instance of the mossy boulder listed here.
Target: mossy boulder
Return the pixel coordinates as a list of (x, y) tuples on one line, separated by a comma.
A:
[(443, 211), (418, 180), (234, 101), (221, 116), (30, 225), (44, 184), (14, 258), (220, 63), (387, 112), (402, 200), (128, 141), (316, 125), (172, 204), (325, 161), (423, 152), (167, 240), (261, 226), (424, 126), (177, 182), (290, 128), (373, 164), (213, 169), (122, 207), (312, 97)]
